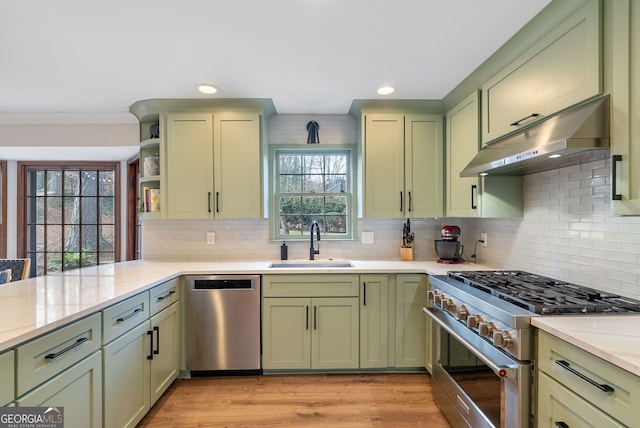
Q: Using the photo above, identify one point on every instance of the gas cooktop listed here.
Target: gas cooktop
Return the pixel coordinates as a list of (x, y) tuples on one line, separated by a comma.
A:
[(544, 295)]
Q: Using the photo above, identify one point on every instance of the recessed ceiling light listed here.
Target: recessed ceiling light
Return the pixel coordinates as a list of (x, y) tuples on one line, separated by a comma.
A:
[(483, 174), (554, 156), (386, 90), (206, 88)]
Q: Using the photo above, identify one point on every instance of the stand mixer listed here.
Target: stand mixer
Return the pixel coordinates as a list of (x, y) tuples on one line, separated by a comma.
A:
[(449, 249)]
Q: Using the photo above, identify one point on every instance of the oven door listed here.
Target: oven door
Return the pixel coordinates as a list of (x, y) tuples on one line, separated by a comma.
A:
[(474, 383)]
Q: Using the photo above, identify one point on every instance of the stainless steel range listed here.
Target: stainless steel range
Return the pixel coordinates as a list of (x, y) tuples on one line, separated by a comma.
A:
[(484, 352)]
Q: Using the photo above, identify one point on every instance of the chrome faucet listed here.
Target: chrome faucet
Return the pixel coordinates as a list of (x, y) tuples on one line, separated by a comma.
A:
[(312, 250)]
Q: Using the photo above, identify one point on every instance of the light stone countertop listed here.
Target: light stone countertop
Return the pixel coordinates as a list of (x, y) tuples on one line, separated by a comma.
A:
[(39, 305), (613, 338)]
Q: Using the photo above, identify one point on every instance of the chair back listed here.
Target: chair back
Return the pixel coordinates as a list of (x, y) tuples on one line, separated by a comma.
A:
[(5, 276), (19, 268)]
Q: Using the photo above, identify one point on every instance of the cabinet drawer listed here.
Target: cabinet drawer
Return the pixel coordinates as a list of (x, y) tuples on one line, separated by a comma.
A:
[(122, 317), (553, 356), (163, 296), (558, 405), (45, 357), (7, 374), (322, 285), (78, 391)]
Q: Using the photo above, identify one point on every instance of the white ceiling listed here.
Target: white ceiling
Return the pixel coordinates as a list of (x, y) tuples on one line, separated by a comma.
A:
[(309, 56)]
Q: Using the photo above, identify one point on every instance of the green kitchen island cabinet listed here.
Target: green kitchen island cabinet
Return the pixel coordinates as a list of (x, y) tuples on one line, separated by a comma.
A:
[(561, 69), (402, 165), (214, 165), (475, 196), (374, 321), (7, 374), (310, 322), (577, 388), (142, 360), (64, 368)]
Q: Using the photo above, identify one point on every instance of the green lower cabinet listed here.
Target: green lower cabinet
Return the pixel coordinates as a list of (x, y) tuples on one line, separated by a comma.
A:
[(8, 376), (411, 297), (78, 390), (166, 354), (310, 333), (139, 366), (126, 380), (374, 321)]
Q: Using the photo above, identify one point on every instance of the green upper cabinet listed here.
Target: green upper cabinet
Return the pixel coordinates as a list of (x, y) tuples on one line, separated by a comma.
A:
[(402, 161), (622, 43), (214, 165), (561, 69), (463, 127), (475, 196)]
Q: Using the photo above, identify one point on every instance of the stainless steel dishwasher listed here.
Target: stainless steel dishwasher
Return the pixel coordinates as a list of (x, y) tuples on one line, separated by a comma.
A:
[(222, 324)]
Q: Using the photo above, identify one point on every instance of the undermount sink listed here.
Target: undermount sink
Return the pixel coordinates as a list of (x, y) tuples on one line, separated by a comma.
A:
[(311, 264)]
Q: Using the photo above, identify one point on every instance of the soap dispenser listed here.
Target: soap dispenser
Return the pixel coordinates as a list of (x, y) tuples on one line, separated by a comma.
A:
[(284, 251)]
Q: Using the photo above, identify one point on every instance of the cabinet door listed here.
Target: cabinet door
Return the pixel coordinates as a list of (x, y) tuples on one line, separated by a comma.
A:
[(126, 378), (334, 342), (424, 166), (462, 141), (237, 165), (411, 297), (78, 390), (190, 166), (286, 333), (384, 165), (374, 321), (560, 70), (165, 327), (559, 407), (623, 41), (7, 374)]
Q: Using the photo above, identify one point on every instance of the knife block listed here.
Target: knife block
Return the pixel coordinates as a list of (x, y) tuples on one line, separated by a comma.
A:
[(407, 253)]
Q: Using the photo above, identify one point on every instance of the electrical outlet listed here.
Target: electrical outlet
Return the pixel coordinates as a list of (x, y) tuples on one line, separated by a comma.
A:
[(367, 237), (483, 237), (211, 238)]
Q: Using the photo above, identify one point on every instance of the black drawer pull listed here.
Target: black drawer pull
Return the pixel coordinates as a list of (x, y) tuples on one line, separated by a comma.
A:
[(307, 327), (601, 387), (531, 116), (315, 317), (364, 294), (132, 314), (474, 191), (615, 196), (561, 425), (67, 349), (160, 298), (157, 330), (150, 334)]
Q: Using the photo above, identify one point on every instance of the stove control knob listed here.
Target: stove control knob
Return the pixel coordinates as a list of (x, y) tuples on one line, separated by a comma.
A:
[(437, 298), (431, 294), (462, 313), (486, 329), (446, 304), (503, 339), (473, 321)]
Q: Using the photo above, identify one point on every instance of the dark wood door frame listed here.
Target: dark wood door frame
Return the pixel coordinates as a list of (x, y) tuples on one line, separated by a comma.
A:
[(133, 231)]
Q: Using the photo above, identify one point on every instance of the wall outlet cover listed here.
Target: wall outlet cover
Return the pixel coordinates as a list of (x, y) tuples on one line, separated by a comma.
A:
[(211, 238), (368, 237), (483, 236)]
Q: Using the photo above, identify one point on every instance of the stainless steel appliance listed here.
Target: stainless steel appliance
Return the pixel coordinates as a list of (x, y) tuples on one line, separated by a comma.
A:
[(484, 348), (222, 324)]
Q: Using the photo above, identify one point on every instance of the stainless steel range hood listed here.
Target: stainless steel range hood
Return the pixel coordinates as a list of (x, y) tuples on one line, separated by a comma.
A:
[(576, 135)]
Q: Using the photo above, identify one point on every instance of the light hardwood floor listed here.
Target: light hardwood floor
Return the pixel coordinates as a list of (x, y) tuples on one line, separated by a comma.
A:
[(315, 400)]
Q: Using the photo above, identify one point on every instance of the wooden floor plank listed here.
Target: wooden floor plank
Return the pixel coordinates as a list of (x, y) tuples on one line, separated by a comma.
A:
[(315, 400)]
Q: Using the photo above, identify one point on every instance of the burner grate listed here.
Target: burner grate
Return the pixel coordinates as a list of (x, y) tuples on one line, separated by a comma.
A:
[(544, 295)]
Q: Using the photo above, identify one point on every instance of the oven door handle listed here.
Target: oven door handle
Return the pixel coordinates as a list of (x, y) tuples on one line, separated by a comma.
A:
[(506, 368)]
